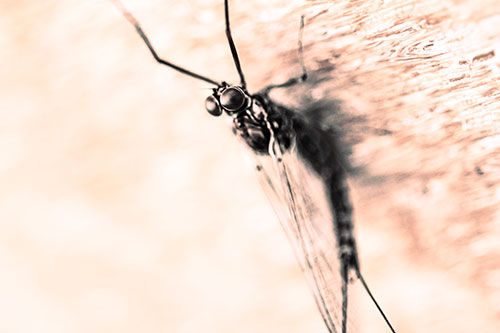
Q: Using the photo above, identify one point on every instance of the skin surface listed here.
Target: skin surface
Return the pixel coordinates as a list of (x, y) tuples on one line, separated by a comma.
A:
[(125, 207)]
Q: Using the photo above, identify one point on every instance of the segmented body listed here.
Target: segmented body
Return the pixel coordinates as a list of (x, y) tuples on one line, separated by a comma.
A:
[(265, 127), (315, 146)]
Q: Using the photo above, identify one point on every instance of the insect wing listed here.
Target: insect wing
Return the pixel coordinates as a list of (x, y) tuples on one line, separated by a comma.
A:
[(299, 198)]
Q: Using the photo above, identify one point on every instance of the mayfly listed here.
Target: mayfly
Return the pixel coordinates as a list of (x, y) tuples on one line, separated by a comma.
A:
[(292, 152)]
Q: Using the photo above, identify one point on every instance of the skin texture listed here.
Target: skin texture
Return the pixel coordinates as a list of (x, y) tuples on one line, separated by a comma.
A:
[(125, 207)]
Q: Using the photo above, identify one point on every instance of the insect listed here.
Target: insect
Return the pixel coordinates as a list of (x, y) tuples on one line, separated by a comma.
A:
[(295, 157)]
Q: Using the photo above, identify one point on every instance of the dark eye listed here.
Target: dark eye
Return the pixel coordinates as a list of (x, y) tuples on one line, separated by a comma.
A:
[(212, 106), (232, 99)]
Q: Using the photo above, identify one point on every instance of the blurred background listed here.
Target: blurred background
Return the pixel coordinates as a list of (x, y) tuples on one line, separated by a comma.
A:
[(125, 207)]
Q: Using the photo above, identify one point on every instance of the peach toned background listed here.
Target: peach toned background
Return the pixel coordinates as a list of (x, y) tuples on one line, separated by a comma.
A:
[(124, 207)]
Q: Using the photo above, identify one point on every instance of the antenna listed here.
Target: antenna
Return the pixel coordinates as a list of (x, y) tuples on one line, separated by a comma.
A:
[(119, 5), (233, 47)]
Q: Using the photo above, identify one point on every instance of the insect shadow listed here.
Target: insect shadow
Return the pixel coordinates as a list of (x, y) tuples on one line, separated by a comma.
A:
[(293, 140)]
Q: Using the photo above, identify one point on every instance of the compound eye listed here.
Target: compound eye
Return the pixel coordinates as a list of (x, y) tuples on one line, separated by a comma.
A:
[(232, 99), (213, 106)]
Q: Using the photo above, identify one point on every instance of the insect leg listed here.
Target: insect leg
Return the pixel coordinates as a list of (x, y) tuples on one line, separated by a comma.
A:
[(345, 283), (293, 232), (327, 317), (144, 37), (295, 80), (374, 301), (301, 234)]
